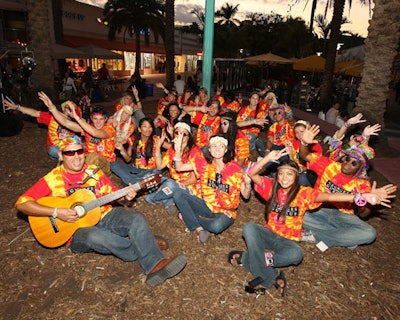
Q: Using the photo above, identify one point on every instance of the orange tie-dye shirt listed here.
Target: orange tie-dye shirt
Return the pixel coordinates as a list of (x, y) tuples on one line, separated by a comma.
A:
[(207, 127), (246, 114), (60, 183), (140, 159), (290, 224), (55, 132), (331, 179), (181, 176), (103, 147), (281, 134), (220, 195), (242, 146)]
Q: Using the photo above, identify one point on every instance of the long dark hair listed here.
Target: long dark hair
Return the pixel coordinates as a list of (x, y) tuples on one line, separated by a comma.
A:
[(275, 187), (148, 153), (231, 134)]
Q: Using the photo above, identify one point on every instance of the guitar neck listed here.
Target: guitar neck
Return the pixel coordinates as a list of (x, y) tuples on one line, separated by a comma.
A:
[(109, 197)]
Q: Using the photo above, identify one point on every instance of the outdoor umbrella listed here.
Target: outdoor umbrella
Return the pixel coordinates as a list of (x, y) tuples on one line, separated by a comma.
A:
[(61, 52), (98, 52), (268, 58), (350, 68), (312, 63)]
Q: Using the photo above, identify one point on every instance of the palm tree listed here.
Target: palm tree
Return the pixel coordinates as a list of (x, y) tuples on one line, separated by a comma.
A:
[(170, 42), (135, 17), (39, 31), (380, 49), (226, 15)]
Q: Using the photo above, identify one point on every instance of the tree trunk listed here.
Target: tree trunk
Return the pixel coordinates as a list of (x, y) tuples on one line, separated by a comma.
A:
[(380, 50), (326, 85), (40, 28), (170, 42), (313, 7), (137, 54)]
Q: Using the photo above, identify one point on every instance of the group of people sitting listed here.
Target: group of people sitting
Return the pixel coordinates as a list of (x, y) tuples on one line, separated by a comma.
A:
[(203, 148)]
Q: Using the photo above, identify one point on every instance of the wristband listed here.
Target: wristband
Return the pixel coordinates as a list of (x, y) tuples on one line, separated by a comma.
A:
[(158, 155), (19, 108), (52, 109), (360, 200), (177, 159), (54, 215), (347, 125), (290, 114)]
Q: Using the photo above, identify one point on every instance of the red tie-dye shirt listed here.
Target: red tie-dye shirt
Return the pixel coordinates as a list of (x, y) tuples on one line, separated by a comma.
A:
[(290, 224)]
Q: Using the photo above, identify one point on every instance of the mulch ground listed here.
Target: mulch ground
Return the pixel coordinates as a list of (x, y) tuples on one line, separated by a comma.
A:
[(41, 283)]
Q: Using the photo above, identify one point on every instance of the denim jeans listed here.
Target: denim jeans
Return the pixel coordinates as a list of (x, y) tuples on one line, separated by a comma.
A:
[(52, 151), (129, 173), (338, 229), (165, 193), (122, 233), (259, 239), (137, 116), (196, 214), (252, 140)]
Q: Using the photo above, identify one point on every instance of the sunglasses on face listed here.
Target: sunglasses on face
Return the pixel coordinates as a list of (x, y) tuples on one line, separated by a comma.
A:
[(224, 123), (71, 153), (277, 113), (176, 133), (354, 163)]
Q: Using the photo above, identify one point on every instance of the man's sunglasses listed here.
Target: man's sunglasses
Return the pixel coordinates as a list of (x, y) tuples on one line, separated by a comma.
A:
[(354, 163), (71, 153)]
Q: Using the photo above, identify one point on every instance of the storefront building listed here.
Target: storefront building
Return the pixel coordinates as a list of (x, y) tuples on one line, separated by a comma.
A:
[(82, 27)]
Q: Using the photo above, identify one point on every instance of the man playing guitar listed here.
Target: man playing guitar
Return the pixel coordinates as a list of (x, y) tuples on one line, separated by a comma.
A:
[(120, 231)]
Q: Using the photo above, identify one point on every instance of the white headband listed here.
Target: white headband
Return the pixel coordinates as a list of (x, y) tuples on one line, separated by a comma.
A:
[(183, 126), (218, 139)]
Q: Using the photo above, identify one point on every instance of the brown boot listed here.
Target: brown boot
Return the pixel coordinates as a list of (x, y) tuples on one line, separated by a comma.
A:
[(165, 269)]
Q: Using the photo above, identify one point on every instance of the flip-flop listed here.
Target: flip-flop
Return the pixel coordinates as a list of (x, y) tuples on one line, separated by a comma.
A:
[(281, 276), (238, 259)]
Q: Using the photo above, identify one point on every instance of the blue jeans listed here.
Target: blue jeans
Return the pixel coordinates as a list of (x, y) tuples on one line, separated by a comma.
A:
[(165, 193), (52, 151), (122, 233), (196, 214), (252, 140), (259, 239), (137, 116), (129, 173), (337, 229)]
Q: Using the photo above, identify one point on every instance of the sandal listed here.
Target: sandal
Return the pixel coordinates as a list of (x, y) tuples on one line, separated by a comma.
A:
[(237, 259), (281, 276)]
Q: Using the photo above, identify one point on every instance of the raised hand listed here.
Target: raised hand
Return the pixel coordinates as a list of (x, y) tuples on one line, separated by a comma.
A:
[(384, 194), (372, 130), (356, 119), (310, 133), (46, 100)]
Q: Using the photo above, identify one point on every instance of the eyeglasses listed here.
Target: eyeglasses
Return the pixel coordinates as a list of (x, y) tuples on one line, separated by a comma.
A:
[(71, 153), (176, 133), (354, 163), (224, 123), (277, 113)]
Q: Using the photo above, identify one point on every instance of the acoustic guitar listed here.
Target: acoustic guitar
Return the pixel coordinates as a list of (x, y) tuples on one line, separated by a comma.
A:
[(52, 232)]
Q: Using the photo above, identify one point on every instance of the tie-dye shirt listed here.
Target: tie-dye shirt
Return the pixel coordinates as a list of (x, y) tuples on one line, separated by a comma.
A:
[(60, 183), (220, 192), (331, 179), (246, 114), (281, 134), (103, 147), (55, 132), (290, 224), (207, 127)]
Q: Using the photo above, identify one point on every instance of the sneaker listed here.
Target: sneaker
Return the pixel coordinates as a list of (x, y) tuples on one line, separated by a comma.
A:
[(307, 236), (269, 259), (165, 269)]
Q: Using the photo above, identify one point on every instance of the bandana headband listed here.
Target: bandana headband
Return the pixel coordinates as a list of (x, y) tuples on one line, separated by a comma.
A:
[(183, 126), (220, 140), (68, 141)]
